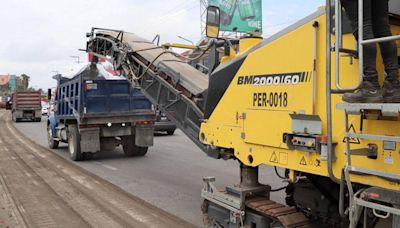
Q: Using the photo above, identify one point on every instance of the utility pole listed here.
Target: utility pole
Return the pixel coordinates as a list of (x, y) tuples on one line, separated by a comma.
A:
[(203, 15)]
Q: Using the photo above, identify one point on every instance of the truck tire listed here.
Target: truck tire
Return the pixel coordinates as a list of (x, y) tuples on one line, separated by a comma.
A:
[(130, 149), (39, 119), (74, 143), (53, 144), (171, 132)]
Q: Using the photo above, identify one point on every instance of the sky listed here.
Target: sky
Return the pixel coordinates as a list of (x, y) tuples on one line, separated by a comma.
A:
[(39, 37)]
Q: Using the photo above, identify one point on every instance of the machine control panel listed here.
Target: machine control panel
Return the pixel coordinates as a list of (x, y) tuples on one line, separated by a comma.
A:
[(303, 142)]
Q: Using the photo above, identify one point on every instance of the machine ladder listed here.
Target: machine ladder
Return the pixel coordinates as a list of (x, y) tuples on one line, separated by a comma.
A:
[(376, 199)]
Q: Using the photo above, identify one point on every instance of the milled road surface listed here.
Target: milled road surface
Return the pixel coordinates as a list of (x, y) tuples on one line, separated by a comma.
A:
[(168, 177), (41, 189)]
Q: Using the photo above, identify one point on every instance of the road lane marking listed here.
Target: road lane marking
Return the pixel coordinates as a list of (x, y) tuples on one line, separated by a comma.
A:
[(107, 166), (110, 167)]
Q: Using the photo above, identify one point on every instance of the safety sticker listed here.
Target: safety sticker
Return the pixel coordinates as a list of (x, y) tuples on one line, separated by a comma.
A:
[(274, 158), (283, 158), (352, 140), (303, 161), (389, 160)]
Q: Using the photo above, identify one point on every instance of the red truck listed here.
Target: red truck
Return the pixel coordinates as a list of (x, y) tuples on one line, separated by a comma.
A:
[(26, 105)]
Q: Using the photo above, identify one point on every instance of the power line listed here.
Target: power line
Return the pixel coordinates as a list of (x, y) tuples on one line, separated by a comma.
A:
[(162, 21), (174, 10)]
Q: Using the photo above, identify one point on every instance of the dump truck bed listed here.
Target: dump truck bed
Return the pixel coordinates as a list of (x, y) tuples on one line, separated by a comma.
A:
[(100, 101), (26, 100)]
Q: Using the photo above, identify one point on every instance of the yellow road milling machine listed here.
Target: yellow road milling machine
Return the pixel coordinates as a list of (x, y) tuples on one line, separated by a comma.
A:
[(277, 101)]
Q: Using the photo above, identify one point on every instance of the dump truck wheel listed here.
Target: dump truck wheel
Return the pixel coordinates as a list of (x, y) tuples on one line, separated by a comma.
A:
[(74, 143), (170, 132), (53, 144), (130, 149)]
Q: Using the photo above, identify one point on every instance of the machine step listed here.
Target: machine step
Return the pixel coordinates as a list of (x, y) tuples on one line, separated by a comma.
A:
[(363, 171), (373, 137), (386, 109)]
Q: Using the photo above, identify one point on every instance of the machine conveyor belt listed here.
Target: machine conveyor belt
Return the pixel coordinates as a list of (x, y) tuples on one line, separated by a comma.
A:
[(185, 75)]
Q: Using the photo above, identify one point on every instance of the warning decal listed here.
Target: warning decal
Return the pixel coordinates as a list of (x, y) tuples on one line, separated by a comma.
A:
[(303, 161), (352, 140), (274, 158)]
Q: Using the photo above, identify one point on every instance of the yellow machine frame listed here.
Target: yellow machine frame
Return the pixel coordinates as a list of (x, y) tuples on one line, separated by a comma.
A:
[(251, 118)]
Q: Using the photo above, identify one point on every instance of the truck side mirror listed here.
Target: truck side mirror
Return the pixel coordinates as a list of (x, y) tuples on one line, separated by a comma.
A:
[(213, 22), (49, 94)]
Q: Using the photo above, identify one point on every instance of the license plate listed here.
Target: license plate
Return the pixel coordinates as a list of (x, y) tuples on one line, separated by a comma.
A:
[(91, 86)]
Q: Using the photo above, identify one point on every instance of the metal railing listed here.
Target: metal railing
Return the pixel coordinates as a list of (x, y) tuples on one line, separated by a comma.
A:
[(338, 47), (338, 89)]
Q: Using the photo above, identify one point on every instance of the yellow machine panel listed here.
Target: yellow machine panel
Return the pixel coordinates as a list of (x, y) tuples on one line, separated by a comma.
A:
[(279, 89)]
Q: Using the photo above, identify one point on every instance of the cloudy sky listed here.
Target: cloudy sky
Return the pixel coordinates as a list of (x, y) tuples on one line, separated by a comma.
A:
[(38, 37)]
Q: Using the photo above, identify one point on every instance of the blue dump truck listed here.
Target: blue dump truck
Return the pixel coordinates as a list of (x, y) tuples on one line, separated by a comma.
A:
[(92, 113)]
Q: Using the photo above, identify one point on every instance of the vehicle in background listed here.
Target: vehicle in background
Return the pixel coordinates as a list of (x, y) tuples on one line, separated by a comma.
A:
[(3, 102), (45, 108), (92, 113), (26, 105), (163, 124), (9, 105)]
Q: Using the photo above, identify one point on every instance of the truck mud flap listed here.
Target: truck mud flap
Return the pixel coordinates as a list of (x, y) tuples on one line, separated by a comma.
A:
[(90, 140), (144, 136)]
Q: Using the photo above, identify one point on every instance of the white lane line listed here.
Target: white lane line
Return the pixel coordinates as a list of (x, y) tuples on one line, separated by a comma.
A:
[(110, 167), (107, 166)]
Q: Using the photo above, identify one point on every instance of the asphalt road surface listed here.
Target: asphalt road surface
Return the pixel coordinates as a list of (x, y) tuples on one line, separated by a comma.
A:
[(168, 177), (41, 189)]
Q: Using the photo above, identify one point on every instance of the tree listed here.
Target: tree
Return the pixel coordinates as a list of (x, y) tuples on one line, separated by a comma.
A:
[(5, 89), (23, 82)]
